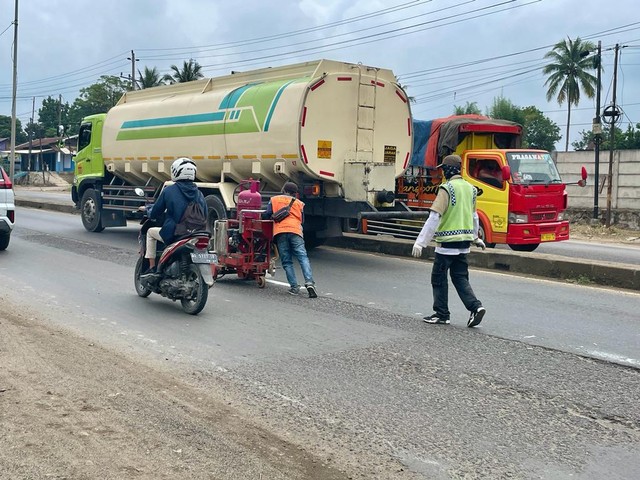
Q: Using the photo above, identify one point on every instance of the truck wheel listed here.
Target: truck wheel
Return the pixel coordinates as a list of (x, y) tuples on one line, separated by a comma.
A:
[(90, 211), (216, 211), (311, 240), (482, 236), (527, 247), (4, 241)]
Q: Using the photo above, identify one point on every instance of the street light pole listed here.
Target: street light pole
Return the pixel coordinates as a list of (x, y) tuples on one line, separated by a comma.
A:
[(597, 131)]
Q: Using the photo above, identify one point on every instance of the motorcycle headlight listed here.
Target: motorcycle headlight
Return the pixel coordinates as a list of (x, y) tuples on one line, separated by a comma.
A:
[(518, 218)]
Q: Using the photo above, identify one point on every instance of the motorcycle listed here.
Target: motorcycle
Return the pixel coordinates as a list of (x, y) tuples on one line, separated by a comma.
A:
[(184, 268)]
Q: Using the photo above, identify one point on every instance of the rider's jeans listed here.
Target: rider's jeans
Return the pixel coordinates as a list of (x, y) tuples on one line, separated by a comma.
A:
[(153, 237), (290, 245)]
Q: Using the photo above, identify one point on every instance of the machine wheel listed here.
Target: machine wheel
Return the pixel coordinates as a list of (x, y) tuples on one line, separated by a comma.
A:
[(4, 241), (527, 247), (195, 305), (141, 289), (216, 211), (482, 236), (262, 282), (90, 211)]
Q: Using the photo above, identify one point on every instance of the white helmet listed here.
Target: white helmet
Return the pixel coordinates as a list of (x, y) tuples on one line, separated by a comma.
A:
[(183, 169)]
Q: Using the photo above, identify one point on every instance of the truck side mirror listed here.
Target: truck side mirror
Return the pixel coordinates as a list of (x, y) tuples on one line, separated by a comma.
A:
[(506, 172)]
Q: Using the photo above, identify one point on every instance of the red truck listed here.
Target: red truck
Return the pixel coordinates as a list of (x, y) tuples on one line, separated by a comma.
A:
[(522, 199)]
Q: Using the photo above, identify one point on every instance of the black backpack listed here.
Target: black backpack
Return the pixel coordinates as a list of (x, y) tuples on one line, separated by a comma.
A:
[(193, 220)]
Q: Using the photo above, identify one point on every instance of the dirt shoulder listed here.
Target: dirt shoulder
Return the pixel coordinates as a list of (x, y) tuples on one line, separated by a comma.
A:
[(70, 409), (601, 234)]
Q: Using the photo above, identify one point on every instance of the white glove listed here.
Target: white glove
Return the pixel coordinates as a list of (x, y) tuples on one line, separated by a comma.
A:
[(479, 243), (417, 250)]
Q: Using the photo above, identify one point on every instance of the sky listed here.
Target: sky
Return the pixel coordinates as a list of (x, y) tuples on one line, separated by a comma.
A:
[(445, 52)]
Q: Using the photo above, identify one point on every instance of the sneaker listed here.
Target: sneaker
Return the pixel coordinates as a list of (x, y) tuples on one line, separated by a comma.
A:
[(476, 317), (311, 289), (437, 319), (294, 291), (150, 272)]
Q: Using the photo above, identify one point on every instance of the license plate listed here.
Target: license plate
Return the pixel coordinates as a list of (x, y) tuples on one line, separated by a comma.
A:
[(547, 237), (204, 258)]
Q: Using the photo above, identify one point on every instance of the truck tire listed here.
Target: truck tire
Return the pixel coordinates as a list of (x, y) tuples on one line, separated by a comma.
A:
[(90, 211), (482, 236), (216, 210), (527, 247), (4, 241)]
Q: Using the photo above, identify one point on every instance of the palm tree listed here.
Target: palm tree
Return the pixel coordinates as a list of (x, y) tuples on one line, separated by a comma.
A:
[(190, 71), (568, 73), (150, 78)]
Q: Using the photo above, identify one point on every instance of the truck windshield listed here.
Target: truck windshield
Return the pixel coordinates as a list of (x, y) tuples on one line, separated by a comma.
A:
[(533, 167)]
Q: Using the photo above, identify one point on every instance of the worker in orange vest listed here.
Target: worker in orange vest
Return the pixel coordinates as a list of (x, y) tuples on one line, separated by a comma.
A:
[(289, 238)]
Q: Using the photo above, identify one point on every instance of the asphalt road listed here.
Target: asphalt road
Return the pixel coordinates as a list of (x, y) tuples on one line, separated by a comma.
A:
[(545, 388)]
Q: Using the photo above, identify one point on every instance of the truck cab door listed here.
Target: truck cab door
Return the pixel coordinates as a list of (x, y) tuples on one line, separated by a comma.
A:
[(88, 159), (484, 172)]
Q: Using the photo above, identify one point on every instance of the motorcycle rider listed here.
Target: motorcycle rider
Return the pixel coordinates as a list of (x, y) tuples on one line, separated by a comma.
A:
[(173, 200)]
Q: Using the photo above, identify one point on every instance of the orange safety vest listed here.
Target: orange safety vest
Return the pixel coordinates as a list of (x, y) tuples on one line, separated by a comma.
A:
[(291, 224)]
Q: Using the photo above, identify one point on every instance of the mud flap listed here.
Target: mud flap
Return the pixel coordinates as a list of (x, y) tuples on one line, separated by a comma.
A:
[(205, 271)]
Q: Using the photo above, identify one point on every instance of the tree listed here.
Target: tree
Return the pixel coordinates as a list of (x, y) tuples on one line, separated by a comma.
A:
[(97, 98), (150, 78), (539, 131), (568, 73), (624, 140), (51, 114), (467, 109), (5, 129), (191, 70), (504, 109)]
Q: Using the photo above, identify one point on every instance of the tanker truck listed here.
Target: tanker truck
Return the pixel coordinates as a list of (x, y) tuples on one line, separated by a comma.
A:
[(342, 132)]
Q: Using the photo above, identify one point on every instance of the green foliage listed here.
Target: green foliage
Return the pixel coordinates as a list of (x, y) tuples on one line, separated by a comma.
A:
[(96, 98), (51, 114), (539, 131), (5, 129), (150, 78), (504, 109), (568, 74), (191, 70), (469, 108), (628, 139)]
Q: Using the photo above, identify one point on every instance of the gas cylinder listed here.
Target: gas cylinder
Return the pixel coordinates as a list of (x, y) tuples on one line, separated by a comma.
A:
[(249, 199)]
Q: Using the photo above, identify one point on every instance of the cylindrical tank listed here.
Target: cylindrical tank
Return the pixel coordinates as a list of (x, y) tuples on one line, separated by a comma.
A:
[(249, 198), (318, 120)]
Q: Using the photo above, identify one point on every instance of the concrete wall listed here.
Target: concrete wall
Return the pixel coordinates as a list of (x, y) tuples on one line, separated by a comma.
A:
[(625, 192)]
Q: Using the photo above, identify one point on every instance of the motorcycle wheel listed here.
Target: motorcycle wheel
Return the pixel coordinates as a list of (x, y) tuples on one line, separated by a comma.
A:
[(141, 289), (194, 306)]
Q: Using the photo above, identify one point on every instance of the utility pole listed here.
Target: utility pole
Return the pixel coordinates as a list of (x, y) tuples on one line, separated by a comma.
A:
[(613, 133), (597, 131), (33, 109), (12, 167), (133, 69)]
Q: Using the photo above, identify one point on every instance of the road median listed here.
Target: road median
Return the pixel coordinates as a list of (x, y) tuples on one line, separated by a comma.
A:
[(543, 265)]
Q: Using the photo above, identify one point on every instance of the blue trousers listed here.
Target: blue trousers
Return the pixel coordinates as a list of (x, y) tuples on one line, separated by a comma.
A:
[(291, 245)]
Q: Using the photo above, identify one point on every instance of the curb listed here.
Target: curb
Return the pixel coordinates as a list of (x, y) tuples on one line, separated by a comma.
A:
[(57, 207), (542, 265)]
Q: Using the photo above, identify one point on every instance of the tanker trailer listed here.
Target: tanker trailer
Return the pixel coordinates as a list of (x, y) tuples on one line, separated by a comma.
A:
[(342, 132)]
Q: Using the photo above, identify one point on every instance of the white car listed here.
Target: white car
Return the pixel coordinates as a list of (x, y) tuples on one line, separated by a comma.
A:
[(7, 209)]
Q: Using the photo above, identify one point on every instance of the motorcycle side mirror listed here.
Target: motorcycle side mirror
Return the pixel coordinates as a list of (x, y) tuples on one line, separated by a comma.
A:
[(138, 191), (584, 173)]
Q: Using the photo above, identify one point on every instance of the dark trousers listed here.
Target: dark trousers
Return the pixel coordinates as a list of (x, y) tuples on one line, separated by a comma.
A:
[(458, 267)]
